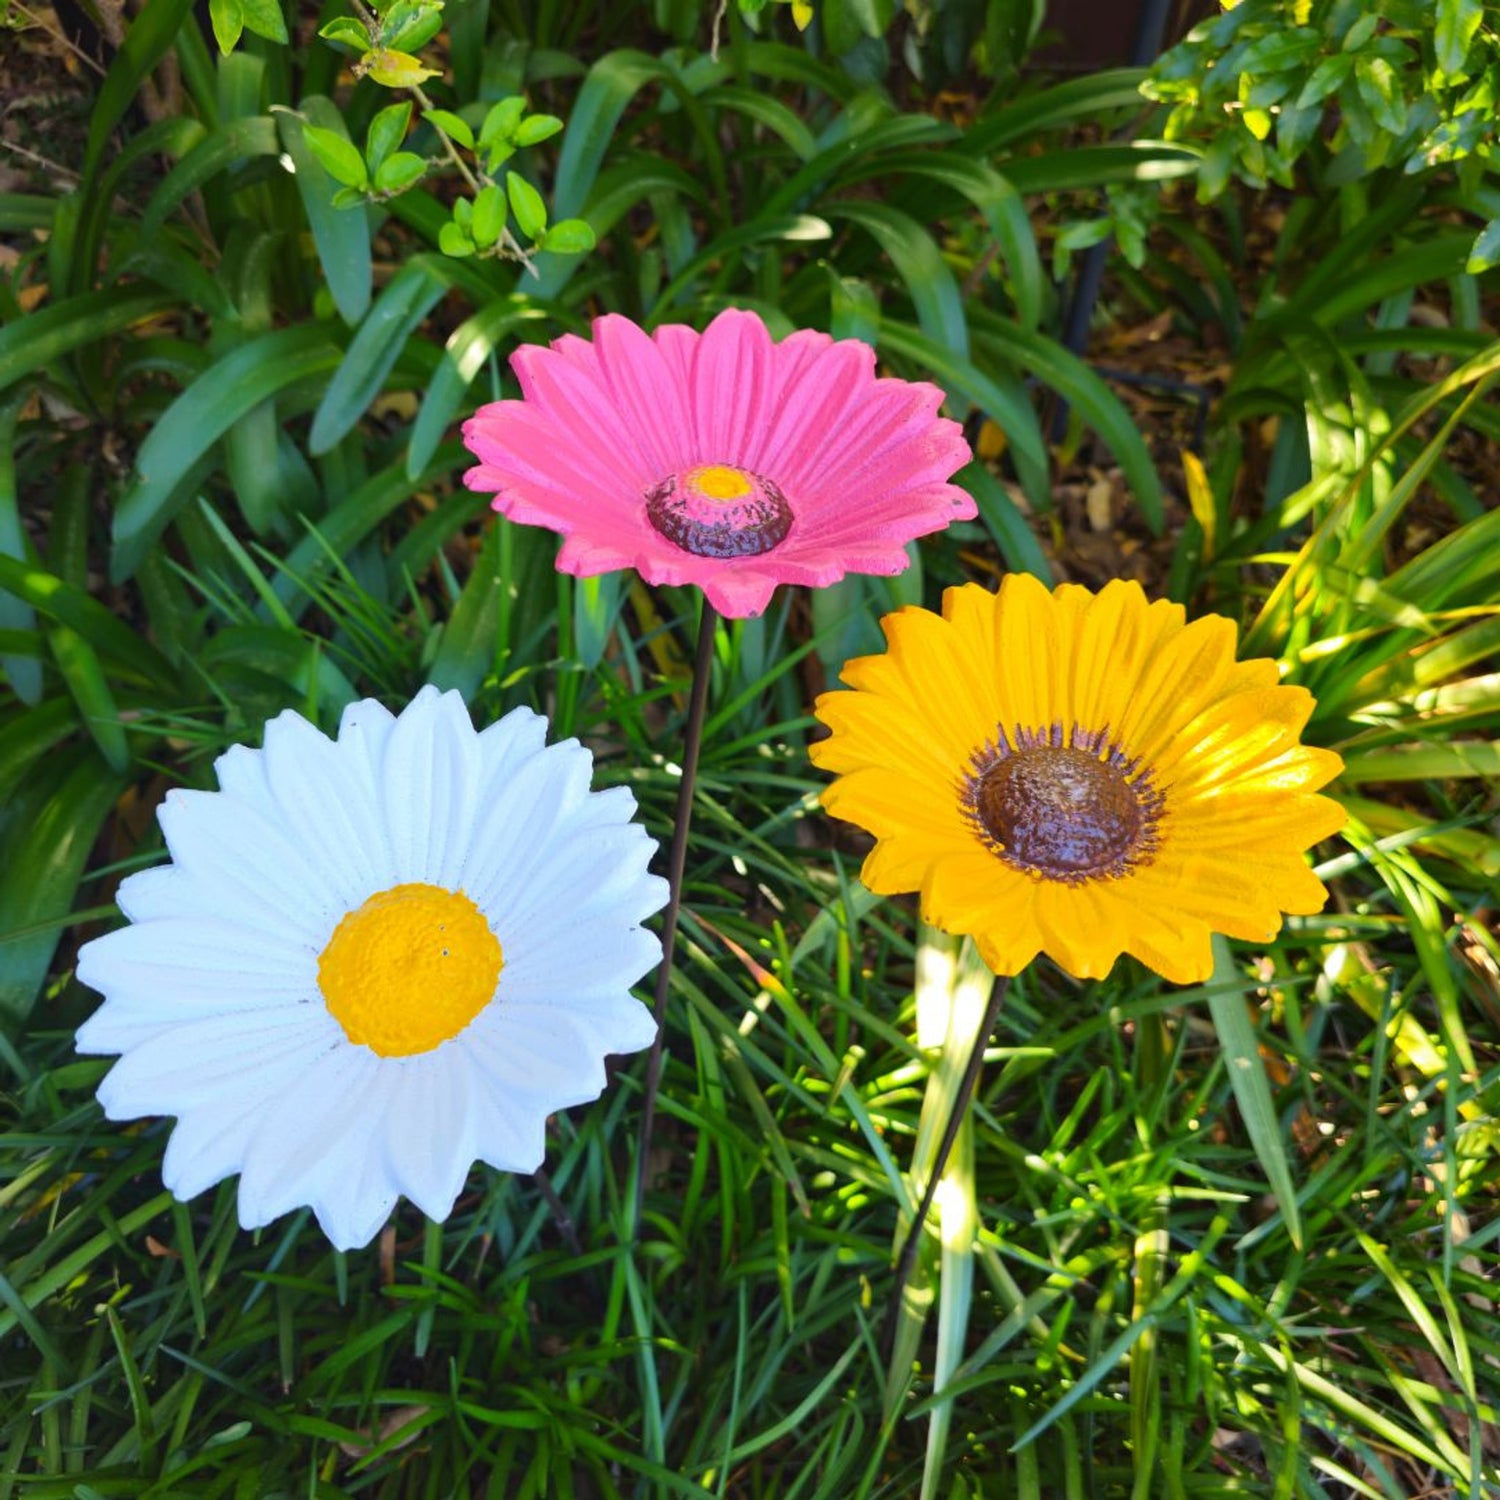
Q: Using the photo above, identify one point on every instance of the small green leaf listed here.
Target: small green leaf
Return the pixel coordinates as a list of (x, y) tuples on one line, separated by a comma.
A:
[(488, 220), (346, 32), (387, 131), (569, 237), (349, 197), (500, 153), (1457, 21), (1486, 251), (501, 121), (397, 70), (1380, 90), (526, 204), (1324, 79), (453, 241), (452, 126), (264, 18), (1361, 31), (336, 156), (400, 172), (416, 33), (537, 128), (228, 20)]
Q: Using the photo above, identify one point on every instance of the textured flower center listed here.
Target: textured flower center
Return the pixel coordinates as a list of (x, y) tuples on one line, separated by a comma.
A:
[(717, 510), (1067, 812), (409, 969)]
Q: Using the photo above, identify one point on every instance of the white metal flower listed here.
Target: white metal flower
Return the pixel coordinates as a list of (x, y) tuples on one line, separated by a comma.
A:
[(374, 959)]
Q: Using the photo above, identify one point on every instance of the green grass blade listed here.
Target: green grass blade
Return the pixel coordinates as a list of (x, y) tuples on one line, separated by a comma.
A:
[(398, 312), (1252, 1089), (24, 672), (47, 830), (341, 235), (930, 282), (1072, 379), (50, 596), (34, 341), (198, 418), (218, 151)]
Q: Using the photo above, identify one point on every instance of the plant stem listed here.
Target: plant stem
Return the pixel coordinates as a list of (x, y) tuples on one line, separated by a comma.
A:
[(560, 1215), (692, 738), (908, 1257)]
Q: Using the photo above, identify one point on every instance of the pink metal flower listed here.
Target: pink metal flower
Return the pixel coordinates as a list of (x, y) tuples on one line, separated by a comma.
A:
[(720, 459)]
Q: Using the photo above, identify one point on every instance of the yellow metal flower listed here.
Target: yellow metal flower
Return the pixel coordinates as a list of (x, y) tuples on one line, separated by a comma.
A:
[(1081, 774)]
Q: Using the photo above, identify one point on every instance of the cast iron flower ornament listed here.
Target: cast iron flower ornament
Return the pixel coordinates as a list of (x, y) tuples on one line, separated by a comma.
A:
[(372, 960), (1076, 774)]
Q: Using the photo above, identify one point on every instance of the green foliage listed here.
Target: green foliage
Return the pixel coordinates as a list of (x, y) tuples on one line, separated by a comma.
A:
[(1396, 86), (231, 18)]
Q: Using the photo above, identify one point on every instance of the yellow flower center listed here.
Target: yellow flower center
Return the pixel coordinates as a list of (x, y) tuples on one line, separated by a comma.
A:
[(409, 969), (719, 482)]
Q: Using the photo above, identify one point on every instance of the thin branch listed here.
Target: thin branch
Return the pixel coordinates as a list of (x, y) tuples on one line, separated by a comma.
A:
[(58, 34)]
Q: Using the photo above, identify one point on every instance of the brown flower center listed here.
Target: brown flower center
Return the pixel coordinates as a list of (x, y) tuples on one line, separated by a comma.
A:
[(719, 511), (1068, 812)]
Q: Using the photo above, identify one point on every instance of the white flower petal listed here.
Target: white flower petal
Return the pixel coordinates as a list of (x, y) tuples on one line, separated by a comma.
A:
[(506, 743), (250, 863), (429, 1129), (617, 1021), (201, 1063), (364, 728), (326, 794), (209, 1144), (579, 957), (166, 892), (598, 877), (430, 771), (352, 1219), (614, 805), (519, 826), (543, 1057), (510, 1135), (169, 971), (241, 773), (314, 1143)]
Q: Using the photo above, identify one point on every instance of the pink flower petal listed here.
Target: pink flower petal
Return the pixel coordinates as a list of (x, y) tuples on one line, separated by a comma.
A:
[(573, 399), (732, 391), (651, 395)]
